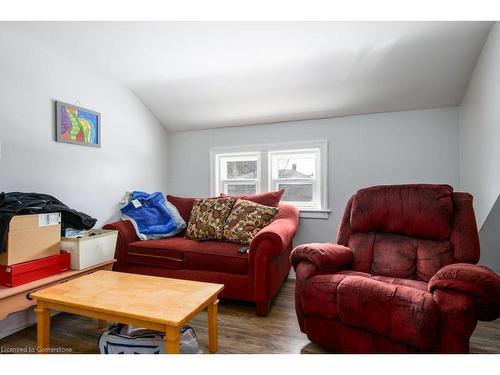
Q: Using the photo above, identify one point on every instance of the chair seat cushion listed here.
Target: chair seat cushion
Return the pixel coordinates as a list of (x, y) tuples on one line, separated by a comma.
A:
[(397, 308), (180, 252)]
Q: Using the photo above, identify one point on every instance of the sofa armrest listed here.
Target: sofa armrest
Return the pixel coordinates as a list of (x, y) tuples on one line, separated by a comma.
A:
[(326, 257), (268, 256), (126, 235), (479, 282), (279, 234)]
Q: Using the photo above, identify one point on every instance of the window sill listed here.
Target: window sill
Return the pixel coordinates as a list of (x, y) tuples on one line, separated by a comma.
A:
[(315, 214)]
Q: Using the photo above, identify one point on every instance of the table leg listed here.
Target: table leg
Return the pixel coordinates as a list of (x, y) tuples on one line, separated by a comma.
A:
[(172, 340), (212, 326), (102, 324), (43, 327)]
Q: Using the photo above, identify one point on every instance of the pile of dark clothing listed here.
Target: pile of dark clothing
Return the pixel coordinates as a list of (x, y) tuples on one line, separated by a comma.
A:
[(16, 203)]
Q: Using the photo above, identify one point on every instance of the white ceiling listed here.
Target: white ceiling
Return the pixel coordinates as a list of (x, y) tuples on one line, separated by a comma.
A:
[(196, 75)]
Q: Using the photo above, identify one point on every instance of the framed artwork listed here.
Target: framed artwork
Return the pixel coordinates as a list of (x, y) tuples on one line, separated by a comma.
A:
[(77, 125)]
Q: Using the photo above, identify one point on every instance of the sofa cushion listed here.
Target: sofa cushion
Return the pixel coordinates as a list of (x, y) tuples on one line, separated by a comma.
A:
[(208, 217), (180, 252), (216, 256), (320, 292), (183, 205), (424, 211), (246, 220), (157, 253), (271, 198)]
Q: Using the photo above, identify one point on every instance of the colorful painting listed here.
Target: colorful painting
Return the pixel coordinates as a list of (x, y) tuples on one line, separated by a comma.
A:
[(77, 125)]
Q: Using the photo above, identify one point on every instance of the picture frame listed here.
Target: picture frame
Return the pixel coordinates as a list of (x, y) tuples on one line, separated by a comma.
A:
[(77, 125)]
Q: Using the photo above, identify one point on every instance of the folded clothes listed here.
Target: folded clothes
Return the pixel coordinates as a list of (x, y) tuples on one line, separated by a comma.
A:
[(77, 233), (152, 216)]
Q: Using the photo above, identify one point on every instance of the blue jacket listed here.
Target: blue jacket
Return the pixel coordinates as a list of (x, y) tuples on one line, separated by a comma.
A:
[(152, 216)]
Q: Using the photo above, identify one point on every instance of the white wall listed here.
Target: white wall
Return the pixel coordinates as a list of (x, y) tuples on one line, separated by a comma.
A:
[(133, 153), (387, 148), (479, 133), (479, 129)]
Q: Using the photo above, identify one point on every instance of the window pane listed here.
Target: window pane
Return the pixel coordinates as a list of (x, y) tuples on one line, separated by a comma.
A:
[(297, 192), (241, 170), (296, 166), (238, 189)]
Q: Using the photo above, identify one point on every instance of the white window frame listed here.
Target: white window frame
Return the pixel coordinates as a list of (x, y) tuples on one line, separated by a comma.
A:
[(264, 176), (274, 181), (221, 183)]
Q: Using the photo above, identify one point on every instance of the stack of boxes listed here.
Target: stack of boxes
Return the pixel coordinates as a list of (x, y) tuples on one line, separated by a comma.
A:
[(33, 249)]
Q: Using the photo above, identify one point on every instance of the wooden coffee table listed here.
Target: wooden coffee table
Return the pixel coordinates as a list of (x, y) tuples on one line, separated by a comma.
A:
[(156, 303), (19, 298)]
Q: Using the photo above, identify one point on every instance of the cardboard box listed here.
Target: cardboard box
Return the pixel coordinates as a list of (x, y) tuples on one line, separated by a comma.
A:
[(89, 251), (32, 237), (22, 273)]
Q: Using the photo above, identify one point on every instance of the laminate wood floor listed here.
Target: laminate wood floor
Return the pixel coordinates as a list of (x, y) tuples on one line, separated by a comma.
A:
[(240, 331)]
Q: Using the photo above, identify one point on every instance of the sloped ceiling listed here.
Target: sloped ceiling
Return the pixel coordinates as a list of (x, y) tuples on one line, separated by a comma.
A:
[(196, 75)]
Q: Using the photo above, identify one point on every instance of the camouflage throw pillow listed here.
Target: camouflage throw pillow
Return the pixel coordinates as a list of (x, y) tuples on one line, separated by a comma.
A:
[(246, 220), (208, 217)]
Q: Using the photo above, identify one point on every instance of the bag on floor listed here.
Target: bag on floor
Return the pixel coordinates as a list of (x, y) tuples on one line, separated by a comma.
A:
[(125, 339)]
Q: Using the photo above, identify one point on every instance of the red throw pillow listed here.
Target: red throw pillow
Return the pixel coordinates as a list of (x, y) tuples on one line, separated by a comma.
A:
[(272, 198), (183, 205)]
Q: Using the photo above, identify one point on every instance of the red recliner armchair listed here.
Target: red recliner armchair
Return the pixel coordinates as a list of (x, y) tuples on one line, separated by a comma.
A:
[(402, 277)]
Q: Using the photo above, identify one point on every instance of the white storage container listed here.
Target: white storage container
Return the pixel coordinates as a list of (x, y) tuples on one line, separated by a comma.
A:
[(91, 250)]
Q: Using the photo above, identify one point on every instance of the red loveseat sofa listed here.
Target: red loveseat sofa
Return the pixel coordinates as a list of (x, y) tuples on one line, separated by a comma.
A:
[(402, 276), (255, 276)]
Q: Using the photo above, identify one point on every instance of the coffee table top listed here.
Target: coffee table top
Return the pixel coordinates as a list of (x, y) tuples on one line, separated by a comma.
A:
[(157, 299)]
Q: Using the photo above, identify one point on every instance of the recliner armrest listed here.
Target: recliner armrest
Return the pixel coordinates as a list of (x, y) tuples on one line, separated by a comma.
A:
[(325, 256), (479, 282)]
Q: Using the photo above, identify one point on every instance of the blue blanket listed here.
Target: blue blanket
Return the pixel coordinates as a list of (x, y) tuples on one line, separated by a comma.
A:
[(152, 216)]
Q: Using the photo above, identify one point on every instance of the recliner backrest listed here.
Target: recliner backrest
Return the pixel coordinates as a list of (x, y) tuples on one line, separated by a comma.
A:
[(409, 231)]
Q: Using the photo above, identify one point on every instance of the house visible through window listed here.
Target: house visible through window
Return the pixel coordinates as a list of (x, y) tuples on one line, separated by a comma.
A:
[(300, 171), (238, 174), (297, 173)]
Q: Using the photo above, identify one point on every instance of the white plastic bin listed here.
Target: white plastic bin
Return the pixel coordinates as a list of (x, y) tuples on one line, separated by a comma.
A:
[(89, 251)]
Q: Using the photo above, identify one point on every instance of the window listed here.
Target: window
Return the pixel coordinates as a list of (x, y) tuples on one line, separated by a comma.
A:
[(238, 174), (297, 167), (296, 171)]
